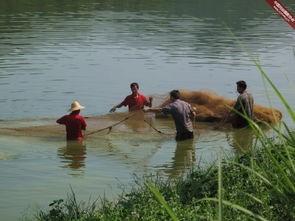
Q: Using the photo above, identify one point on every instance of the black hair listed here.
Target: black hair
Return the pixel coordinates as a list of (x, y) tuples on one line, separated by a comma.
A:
[(134, 84), (241, 84), (175, 94), (75, 112)]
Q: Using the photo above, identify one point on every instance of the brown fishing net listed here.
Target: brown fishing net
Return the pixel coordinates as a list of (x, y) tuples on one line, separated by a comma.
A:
[(119, 123), (210, 107)]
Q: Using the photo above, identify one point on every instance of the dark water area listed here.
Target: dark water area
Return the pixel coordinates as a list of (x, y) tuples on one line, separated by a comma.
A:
[(53, 52)]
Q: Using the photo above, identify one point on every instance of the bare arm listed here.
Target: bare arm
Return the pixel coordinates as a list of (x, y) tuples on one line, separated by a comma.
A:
[(192, 112), (150, 102), (61, 120), (153, 110), (83, 122), (115, 107), (229, 115)]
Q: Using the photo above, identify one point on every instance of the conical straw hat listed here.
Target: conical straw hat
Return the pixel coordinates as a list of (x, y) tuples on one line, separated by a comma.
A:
[(76, 106)]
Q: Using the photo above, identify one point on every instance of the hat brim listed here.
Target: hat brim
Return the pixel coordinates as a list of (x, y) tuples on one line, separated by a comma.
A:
[(76, 108)]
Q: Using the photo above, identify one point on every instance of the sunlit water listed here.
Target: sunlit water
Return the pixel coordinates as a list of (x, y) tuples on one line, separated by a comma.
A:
[(52, 53)]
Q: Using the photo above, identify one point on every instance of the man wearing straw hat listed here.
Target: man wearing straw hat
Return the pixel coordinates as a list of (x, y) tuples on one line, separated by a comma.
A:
[(74, 122)]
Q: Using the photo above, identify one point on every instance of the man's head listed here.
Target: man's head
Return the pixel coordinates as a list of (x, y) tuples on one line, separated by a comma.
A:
[(76, 107), (134, 87), (75, 112), (241, 86), (174, 94)]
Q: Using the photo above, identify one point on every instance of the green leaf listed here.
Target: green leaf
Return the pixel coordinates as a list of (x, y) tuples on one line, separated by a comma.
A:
[(237, 207), (161, 200)]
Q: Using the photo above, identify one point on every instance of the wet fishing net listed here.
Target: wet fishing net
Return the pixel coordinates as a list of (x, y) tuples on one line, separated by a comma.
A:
[(125, 125), (211, 107)]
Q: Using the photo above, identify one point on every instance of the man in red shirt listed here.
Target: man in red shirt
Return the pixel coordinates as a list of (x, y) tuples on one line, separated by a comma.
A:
[(134, 101), (74, 122)]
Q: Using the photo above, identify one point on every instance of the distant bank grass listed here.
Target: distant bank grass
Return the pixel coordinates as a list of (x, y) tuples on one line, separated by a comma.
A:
[(259, 185)]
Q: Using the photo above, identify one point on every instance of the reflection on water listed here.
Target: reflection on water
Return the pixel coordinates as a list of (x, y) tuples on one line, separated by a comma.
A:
[(73, 155), (183, 159), (242, 139)]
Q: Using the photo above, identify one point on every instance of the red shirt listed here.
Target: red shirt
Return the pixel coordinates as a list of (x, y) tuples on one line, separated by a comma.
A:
[(74, 123), (135, 102)]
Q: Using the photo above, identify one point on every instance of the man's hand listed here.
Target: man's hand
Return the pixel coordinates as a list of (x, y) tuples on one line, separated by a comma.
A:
[(150, 101), (153, 110), (113, 109)]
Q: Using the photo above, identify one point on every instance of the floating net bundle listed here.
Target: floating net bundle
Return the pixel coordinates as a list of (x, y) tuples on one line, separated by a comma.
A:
[(211, 107)]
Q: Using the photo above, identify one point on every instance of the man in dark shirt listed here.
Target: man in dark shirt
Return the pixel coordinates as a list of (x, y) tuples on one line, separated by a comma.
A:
[(243, 106), (134, 101), (182, 114), (74, 122)]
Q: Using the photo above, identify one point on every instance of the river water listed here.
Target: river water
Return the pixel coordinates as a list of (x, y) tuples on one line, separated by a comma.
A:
[(53, 52)]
